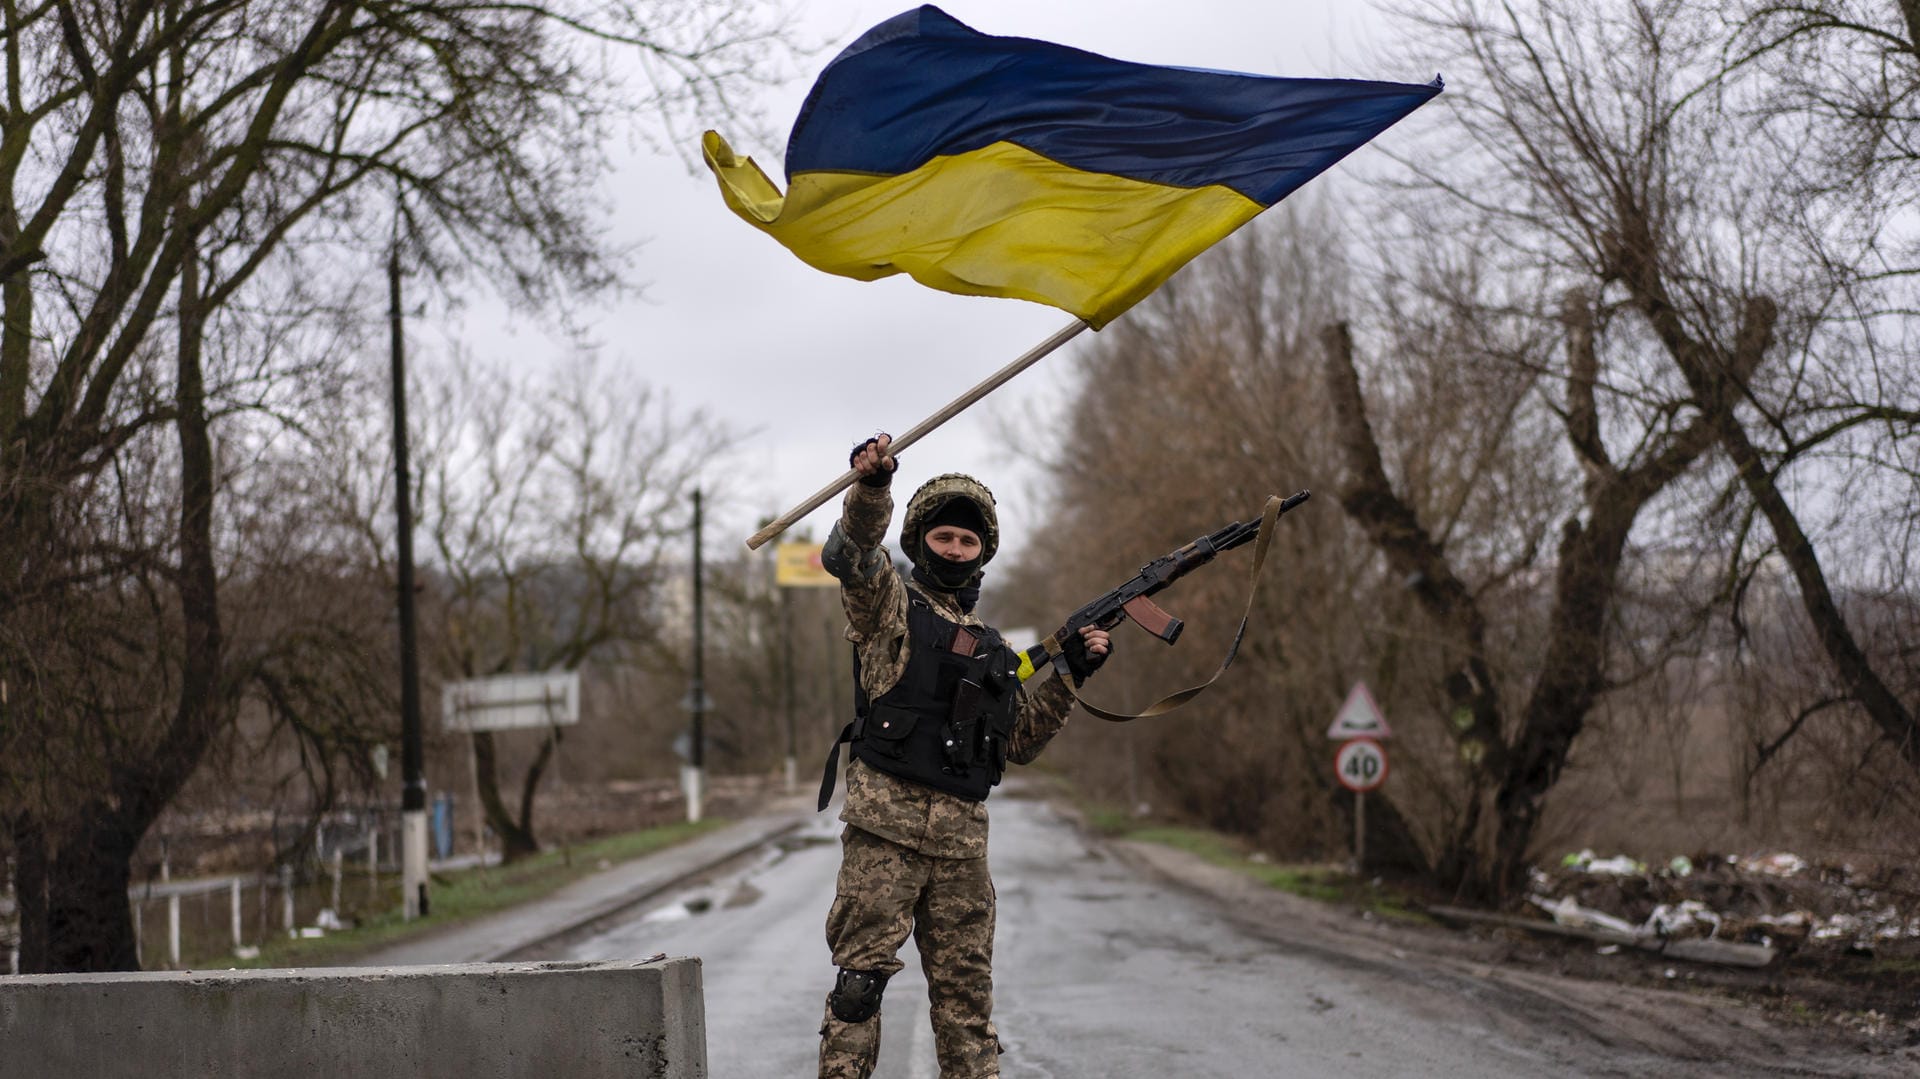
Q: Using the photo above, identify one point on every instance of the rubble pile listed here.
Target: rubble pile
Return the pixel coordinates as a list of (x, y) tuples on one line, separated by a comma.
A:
[(1778, 900)]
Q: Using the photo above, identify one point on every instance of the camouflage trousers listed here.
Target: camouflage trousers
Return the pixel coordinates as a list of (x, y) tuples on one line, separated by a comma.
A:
[(885, 892)]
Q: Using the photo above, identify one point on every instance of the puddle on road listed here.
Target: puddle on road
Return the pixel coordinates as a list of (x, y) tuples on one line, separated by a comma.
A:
[(698, 903), (742, 893), (732, 892), (672, 912)]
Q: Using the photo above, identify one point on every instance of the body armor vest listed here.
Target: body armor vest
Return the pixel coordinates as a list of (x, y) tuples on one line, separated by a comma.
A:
[(945, 724)]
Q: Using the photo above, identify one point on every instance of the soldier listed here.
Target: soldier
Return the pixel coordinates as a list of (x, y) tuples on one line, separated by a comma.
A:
[(939, 711)]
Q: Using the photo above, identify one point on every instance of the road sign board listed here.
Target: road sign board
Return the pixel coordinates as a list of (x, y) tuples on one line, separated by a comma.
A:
[(511, 701), (1361, 764), (798, 566), (1359, 717)]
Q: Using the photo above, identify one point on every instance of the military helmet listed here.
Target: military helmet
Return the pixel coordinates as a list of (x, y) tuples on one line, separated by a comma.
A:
[(934, 494)]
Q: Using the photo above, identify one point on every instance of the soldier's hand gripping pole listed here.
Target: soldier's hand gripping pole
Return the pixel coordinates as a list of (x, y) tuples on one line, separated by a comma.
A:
[(1132, 601)]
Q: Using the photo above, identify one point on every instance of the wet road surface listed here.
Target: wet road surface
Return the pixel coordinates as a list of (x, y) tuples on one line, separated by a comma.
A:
[(1103, 970)]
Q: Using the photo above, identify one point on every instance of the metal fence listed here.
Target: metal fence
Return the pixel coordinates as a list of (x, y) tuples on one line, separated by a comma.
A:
[(350, 872)]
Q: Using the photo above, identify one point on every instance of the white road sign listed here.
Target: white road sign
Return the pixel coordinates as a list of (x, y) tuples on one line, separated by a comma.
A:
[(1359, 717), (1361, 765), (511, 701)]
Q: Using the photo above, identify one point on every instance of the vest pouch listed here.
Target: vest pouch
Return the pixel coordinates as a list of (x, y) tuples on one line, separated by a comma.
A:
[(993, 753), (887, 729)]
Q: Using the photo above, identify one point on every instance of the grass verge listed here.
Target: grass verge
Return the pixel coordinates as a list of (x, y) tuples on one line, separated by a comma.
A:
[(1324, 883), (464, 895)]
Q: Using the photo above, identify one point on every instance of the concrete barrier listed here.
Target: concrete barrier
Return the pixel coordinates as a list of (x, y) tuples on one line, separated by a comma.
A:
[(468, 1020)]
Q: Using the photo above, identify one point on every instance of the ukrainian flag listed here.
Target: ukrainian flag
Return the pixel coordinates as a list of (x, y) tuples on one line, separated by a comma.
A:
[(1001, 166)]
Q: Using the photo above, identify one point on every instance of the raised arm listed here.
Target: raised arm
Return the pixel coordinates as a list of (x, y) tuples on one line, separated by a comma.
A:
[(871, 591)]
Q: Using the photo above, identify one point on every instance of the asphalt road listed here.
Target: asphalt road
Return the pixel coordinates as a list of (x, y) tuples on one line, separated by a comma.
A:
[(1103, 969)]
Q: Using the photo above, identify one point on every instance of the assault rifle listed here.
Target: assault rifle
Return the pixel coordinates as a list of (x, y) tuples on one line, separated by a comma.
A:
[(1132, 599)]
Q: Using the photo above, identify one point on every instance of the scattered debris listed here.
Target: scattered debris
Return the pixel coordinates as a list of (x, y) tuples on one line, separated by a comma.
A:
[(1777, 900), (1741, 910), (1728, 953), (1780, 864), (1587, 862), (1569, 913)]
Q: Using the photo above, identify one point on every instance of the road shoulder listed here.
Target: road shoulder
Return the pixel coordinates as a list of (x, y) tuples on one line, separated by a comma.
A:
[(504, 935), (1494, 979)]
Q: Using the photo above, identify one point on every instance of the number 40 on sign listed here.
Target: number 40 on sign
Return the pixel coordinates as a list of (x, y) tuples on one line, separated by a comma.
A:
[(1361, 765)]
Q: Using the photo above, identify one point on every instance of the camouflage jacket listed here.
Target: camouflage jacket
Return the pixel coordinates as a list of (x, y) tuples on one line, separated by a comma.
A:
[(926, 820)]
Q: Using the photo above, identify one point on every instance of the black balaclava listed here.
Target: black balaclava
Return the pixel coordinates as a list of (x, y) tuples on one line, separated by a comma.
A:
[(949, 576)]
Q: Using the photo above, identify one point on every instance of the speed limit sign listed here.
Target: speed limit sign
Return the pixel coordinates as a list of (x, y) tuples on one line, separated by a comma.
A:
[(1361, 764)]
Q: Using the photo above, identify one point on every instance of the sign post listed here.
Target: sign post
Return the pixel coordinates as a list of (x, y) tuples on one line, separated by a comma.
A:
[(797, 565), (505, 702), (1360, 765)]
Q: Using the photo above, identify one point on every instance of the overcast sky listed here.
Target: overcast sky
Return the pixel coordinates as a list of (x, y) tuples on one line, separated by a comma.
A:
[(802, 363)]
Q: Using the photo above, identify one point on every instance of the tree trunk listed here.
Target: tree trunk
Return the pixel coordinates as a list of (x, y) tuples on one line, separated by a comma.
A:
[(30, 890), (1718, 382), (1367, 495), (532, 782), (516, 842), (80, 919), (86, 923), (1571, 679), (1850, 662)]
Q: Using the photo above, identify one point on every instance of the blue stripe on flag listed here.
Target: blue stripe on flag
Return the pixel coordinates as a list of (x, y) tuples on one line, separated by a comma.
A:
[(923, 85)]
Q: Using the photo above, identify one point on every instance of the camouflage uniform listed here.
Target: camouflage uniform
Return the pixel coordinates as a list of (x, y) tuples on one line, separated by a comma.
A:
[(914, 859)]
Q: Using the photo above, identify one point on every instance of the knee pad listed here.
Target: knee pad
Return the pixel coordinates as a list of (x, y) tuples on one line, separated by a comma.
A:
[(856, 995)]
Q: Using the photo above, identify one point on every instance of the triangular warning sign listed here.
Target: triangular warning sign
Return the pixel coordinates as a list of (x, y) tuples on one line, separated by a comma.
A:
[(1359, 717)]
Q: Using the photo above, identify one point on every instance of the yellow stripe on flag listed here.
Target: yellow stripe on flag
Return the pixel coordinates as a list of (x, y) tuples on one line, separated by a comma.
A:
[(998, 221)]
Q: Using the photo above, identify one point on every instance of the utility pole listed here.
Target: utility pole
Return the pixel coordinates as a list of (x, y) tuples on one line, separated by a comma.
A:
[(693, 776), (786, 646), (413, 797)]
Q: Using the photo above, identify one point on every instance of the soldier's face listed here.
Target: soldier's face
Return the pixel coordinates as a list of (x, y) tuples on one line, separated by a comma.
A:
[(953, 543)]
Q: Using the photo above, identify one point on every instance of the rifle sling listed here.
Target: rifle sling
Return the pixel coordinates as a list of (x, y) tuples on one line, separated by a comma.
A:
[(1174, 700)]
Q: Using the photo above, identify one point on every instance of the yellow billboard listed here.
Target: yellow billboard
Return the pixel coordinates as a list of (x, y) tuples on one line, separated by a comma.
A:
[(798, 566)]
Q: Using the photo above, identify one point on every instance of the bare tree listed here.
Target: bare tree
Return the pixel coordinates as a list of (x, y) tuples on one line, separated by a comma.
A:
[(1515, 755), (170, 169), (1839, 82), (1607, 161), (548, 506)]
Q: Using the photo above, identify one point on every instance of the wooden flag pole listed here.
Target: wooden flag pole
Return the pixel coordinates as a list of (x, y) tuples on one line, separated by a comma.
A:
[(921, 429)]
